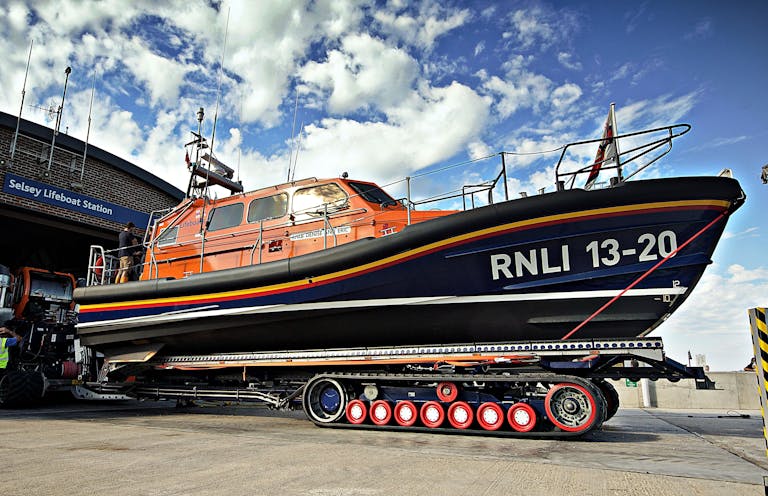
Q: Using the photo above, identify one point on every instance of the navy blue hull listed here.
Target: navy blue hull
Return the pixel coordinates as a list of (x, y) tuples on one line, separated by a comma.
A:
[(530, 269)]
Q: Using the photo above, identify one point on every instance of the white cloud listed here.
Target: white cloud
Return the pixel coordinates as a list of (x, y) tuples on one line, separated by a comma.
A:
[(540, 27), (478, 149), (363, 72), (526, 150), (750, 232), (565, 95), (633, 71), (415, 135), (529, 90), (702, 30), (421, 28), (713, 320), (270, 38), (718, 142), (739, 274), (655, 112), (16, 16), (479, 48), (163, 77), (566, 60)]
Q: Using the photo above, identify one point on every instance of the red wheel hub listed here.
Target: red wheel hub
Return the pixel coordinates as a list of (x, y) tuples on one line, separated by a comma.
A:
[(460, 415), (570, 407), (381, 412), (447, 392), (356, 412), (490, 416), (432, 414), (522, 417), (405, 413)]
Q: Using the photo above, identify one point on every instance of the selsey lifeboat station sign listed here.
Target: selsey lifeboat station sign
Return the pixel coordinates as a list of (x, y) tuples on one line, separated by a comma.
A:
[(45, 193)]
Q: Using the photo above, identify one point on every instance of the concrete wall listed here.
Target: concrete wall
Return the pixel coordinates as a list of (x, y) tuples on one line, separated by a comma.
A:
[(734, 390)]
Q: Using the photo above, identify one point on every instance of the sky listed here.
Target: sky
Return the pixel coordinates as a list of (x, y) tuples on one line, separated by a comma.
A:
[(389, 89)]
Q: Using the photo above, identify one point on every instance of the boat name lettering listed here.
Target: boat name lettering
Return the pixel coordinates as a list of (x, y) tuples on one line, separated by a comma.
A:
[(608, 252), (318, 233), (532, 262), (649, 248)]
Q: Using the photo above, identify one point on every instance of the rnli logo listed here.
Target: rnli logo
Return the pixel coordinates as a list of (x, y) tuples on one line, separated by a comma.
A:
[(532, 262)]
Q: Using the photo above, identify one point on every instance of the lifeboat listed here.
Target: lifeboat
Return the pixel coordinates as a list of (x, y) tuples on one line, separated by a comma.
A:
[(339, 263)]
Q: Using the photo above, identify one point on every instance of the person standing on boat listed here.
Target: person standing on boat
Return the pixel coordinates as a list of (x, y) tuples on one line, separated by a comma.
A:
[(127, 241)]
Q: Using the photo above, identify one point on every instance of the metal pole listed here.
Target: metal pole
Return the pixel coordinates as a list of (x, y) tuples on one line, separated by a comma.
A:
[(202, 249), (21, 107), (325, 226), (293, 137), (88, 132), (616, 141), (504, 175), (408, 197), (218, 91), (67, 71), (757, 324), (261, 238)]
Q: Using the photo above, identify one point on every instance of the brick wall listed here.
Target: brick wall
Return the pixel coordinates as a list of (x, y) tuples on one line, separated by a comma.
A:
[(101, 180)]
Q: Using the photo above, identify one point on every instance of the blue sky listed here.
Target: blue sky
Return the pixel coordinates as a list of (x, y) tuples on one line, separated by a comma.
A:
[(389, 89)]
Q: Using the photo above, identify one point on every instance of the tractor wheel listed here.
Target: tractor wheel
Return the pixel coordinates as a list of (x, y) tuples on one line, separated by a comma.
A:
[(20, 388), (611, 397)]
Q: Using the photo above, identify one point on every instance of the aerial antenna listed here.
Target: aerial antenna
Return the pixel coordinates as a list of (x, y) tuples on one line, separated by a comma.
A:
[(21, 107), (298, 147), (240, 144), (293, 136), (218, 90), (67, 71), (88, 132)]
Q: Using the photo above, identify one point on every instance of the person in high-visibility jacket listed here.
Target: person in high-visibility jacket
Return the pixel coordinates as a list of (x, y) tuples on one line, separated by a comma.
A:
[(8, 338)]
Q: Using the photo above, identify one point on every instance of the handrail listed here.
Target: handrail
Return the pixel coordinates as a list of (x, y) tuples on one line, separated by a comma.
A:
[(654, 148), (102, 265), (643, 148), (258, 241), (153, 242)]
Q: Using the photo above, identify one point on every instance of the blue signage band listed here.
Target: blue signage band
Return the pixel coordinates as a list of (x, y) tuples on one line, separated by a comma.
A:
[(50, 195)]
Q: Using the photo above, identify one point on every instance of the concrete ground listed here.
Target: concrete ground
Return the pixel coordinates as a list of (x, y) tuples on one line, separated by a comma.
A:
[(130, 448)]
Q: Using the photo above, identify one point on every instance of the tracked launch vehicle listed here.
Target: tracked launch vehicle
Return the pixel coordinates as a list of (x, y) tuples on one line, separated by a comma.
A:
[(331, 294)]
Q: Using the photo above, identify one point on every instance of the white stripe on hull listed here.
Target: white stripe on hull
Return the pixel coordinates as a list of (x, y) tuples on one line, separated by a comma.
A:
[(212, 311)]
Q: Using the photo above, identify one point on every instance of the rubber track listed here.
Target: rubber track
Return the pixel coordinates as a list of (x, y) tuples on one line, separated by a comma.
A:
[(521, 377)]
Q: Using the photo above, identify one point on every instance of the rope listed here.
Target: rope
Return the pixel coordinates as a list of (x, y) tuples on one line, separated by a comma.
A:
[(646, 274)]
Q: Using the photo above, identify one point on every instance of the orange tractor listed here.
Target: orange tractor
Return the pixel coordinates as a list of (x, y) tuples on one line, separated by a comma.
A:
[(37, 306)]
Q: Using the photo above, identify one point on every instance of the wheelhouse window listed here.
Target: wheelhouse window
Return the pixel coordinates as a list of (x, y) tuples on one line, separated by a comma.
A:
[(372, 193), (312, 200), (168, 236), (271, 207), (225, 217)]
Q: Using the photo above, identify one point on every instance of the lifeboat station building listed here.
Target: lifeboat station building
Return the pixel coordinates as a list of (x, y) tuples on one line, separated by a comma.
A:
[(54, 205)]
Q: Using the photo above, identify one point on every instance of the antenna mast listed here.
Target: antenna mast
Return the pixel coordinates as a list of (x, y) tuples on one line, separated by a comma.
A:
[(67, 71), (298, 147), (218, 90), (88, 132), (21, 107), (293, 135)]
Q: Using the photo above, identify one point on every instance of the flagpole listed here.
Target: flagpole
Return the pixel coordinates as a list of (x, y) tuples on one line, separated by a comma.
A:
[(21, 107), (616, 141)]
